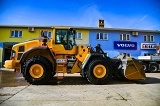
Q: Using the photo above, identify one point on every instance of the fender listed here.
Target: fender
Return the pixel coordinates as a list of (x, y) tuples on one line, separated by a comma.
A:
[(89, 57), (38, 51)]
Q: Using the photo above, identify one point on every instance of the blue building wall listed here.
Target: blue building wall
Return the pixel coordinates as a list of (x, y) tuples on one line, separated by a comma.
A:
[(1, 45), (108, 45)]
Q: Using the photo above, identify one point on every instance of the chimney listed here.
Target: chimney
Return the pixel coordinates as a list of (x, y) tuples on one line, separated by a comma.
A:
[(101, 23)]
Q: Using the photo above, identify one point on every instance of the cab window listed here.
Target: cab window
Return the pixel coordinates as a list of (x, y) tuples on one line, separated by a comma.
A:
[(66, 38), (61, 36)]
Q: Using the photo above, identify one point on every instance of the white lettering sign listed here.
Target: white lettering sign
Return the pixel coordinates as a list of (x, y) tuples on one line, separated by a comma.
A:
[(61, 60), (125, 45), (148, 46)]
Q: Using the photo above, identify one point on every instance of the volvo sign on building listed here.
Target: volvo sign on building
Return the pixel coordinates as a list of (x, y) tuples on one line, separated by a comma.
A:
[(125, 45)]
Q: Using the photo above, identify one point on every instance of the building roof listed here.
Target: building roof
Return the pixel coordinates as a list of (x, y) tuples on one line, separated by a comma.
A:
[(81, 27), (118, 29)]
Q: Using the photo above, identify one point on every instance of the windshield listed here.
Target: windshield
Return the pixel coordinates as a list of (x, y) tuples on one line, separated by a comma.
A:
[(65, 37), (61, 37)]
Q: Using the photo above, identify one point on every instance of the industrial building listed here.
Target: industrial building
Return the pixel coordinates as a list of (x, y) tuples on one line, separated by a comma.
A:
[(133, 42)]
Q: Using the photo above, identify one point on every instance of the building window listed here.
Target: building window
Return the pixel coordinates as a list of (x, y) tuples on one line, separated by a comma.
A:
[(16, 33), (148, 38), (48, 34), (102, 36), (78, 35), (125, 37)]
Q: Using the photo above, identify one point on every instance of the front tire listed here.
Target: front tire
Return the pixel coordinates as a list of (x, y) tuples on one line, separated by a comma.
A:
[(37, 70), (99, 71), (154, 67)]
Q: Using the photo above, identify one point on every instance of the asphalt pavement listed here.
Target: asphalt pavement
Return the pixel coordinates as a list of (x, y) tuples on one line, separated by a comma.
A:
[(74, 90)]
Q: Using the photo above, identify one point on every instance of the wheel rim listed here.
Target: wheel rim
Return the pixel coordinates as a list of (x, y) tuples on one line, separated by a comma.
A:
[(154, 68), (99, 71), (144, 67), (36, 71)]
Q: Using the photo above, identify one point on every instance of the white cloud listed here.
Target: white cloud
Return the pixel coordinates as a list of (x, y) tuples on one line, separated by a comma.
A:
[(90, 15), (132, 22), (145, 22), (143, 18)]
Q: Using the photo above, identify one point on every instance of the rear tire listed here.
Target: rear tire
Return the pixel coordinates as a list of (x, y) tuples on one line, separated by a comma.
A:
[(145, 66), (37, 70), (153, 67), (99, 71)]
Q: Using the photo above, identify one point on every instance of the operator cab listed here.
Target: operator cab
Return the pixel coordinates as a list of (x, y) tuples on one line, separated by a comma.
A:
[(66, 37)]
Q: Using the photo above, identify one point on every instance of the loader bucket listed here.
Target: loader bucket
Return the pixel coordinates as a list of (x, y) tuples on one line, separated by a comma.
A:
[(133, 70)]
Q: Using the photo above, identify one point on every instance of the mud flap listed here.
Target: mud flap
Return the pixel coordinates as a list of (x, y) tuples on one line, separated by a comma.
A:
[(133, 70)]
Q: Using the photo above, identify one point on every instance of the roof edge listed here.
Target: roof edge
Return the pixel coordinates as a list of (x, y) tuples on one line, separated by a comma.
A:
[(81, 27)]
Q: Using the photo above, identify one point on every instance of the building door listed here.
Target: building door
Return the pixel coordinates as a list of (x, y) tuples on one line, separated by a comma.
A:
[(6, 52), (1, 52)]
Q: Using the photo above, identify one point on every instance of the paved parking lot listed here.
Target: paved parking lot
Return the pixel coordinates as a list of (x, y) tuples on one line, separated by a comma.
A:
[(73, 90)]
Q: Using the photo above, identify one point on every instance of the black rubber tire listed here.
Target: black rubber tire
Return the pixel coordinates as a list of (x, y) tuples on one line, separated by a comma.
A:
[(46, 67), (89, 71), (23, 69), (153, 67), (145, 66)]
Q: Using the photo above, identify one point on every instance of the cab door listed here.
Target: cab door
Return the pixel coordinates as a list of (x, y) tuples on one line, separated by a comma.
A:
[(64, 42)]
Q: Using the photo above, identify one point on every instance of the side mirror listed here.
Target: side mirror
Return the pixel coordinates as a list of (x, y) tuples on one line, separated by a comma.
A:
[(72, 30), (42, 33)]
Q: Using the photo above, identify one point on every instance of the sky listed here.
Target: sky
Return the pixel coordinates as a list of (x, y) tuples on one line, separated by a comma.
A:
[(128, 14)]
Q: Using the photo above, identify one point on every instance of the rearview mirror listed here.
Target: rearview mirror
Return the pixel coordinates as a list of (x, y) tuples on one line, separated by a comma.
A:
[(72, 30)]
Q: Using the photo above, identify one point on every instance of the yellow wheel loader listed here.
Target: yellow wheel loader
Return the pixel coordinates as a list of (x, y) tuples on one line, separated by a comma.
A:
[(41, 59)]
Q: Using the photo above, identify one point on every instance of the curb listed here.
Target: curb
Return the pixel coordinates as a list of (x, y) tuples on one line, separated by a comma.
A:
[(5, 69)]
